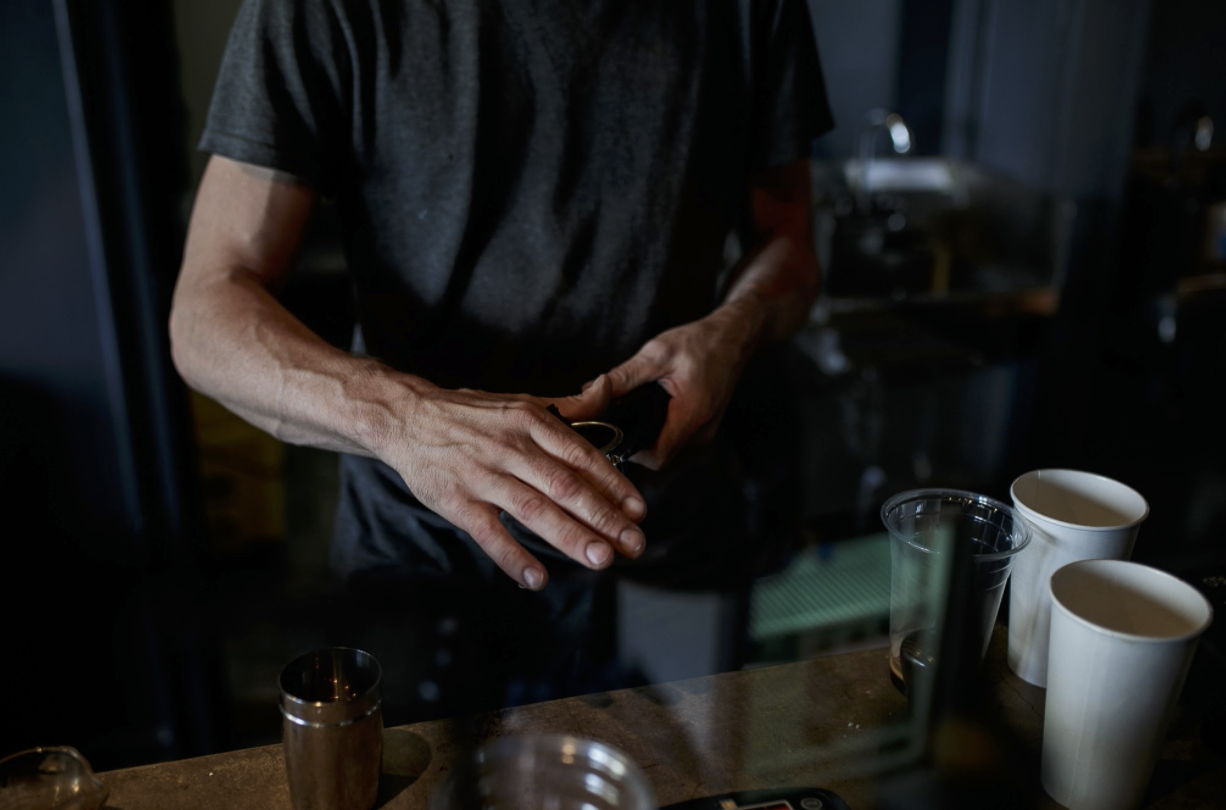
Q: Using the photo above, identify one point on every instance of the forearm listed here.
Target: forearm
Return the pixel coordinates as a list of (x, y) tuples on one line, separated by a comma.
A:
[(233, 341), (775, 287), (468, 455), (775, 290)]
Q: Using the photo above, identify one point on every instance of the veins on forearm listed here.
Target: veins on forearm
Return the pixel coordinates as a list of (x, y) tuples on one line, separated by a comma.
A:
[(254, 358), (779, 281)]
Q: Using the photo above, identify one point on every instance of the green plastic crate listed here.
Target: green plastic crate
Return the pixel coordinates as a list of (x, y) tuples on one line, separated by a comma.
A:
[(836, 585)]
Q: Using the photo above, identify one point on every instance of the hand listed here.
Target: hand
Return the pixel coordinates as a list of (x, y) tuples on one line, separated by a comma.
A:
[(699, 364), (469, 455)]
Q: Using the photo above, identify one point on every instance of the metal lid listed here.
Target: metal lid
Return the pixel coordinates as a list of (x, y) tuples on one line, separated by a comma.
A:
[(604, 436)]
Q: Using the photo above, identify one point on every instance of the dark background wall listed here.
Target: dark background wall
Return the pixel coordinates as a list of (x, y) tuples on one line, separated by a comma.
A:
[(59, 354), (858, 43), (1185, 63), (96, 466)]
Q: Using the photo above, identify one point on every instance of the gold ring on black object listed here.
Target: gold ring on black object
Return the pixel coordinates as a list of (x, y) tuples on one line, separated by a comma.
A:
[(602, 435)]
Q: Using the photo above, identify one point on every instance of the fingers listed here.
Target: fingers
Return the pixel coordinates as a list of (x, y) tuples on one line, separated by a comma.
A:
[(671, 439), (578, 502), (636, 371), (482, 524), (541, 511), (588, 404), (684, 425), (485, 454), (574, 453)]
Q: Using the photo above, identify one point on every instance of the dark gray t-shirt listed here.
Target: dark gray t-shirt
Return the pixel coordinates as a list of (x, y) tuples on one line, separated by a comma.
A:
[(529, 189)]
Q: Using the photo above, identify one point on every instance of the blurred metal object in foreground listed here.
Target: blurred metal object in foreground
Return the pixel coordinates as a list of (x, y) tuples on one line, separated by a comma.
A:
[(333, 729), (49, 779)]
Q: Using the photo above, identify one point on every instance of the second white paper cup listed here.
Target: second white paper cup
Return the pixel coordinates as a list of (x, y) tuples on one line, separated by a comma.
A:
[(1073, 516), (1122, 639)]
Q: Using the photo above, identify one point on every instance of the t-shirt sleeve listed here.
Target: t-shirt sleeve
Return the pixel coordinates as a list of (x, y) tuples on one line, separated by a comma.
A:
[(279, 100), (790, 108)]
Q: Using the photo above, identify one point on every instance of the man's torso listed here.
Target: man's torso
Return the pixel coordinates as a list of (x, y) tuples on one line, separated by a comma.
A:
[(537, 187)]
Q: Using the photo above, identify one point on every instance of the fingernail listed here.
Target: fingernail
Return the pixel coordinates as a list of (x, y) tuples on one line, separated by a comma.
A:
[(598, 553), (533, 578), (632, 541), (634, 507)]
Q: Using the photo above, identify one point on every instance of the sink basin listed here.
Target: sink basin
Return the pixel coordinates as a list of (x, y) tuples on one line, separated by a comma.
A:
[(920, 229), (904, 175)]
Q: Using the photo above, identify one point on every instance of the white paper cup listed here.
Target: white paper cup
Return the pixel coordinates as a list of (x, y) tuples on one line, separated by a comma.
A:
[(1072, 516), (1122, 639)]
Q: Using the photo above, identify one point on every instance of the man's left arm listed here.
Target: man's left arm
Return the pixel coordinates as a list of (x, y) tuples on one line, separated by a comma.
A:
[(769, 298)]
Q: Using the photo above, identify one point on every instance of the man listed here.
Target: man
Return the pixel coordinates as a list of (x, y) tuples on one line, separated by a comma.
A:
[(535, 196)]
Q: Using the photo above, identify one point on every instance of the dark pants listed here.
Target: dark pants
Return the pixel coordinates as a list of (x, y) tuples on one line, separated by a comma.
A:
[(451, 646)]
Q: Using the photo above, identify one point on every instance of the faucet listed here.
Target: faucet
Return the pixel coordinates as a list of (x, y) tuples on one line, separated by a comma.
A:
[(866, 142)]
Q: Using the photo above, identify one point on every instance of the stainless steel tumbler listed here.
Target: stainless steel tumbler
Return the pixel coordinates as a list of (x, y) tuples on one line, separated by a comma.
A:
[(332, 724)]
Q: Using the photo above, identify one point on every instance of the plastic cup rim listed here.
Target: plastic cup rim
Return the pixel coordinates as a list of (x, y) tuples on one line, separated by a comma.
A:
[(550, 741), (1031, 514), (1020, 530), (635, 777), (1121, 634)]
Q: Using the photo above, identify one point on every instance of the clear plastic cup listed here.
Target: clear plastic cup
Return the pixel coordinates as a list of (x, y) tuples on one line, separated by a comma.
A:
[(545, 772), (924, 526)]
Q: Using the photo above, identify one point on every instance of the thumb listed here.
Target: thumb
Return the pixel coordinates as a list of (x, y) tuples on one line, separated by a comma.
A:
[(591, 402), (636, 371)]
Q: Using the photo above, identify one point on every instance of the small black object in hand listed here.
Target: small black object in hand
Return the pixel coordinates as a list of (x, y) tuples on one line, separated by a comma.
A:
[(630, 424)]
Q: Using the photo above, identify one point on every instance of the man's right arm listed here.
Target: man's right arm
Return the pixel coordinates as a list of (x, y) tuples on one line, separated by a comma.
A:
[(466, 454)]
